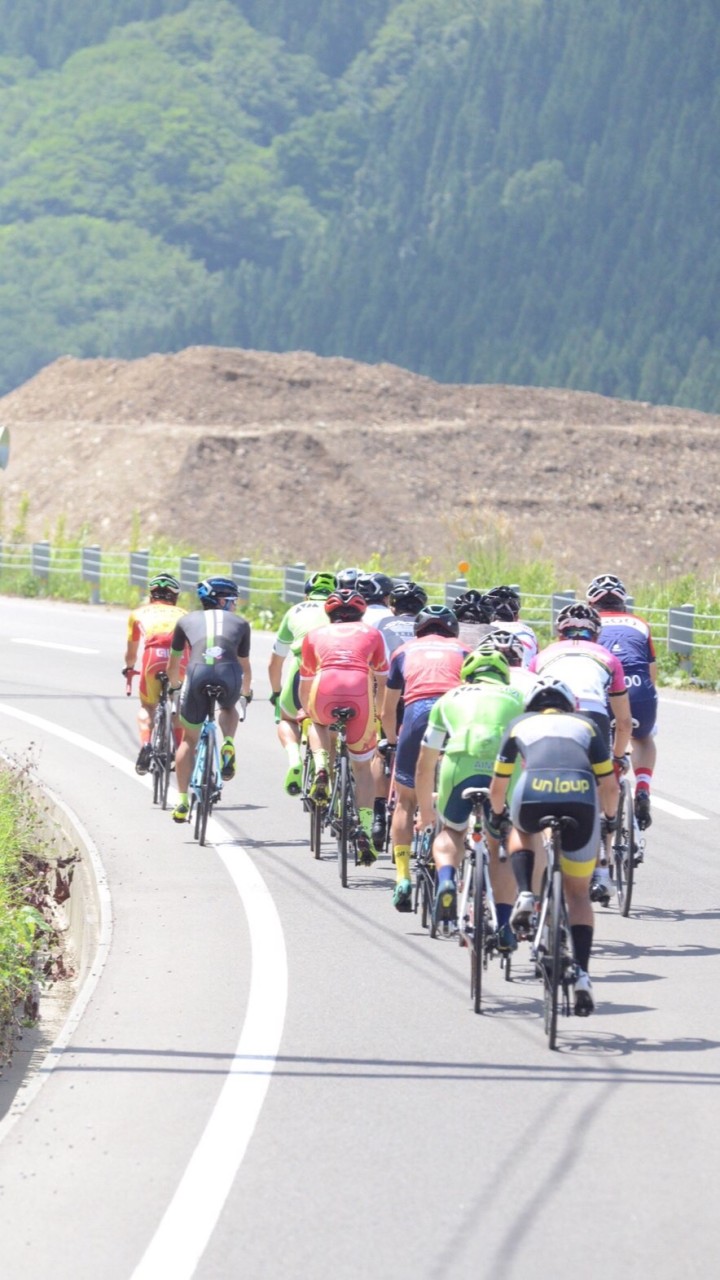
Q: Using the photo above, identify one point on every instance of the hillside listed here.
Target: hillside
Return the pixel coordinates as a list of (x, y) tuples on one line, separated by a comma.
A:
[(297, 456)]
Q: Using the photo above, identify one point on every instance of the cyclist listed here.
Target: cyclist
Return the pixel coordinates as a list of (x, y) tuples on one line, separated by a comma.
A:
[(152, 623), (375, 589), (420, 671), (467, 725), (597, 680), (506, 609), (406, 600), (628, 636), (509, 644), (474, 612), (347, 578), (299, 619), (565, 768), (340, 666), (219, 645)]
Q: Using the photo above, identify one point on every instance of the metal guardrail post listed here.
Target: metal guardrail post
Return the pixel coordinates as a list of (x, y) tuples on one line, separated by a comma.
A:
[(681, 625), (139, 562), (558, 600), (454, 589), (91, 569), (294, 576), (40, 560), (240, 573), (189, 572)]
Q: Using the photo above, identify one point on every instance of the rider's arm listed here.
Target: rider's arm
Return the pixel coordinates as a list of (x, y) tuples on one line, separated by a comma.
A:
[(133, 641), (620, 709), (177, 648), (609, 791), (275, 666), (246, 676), (652, 672), (389, 714), (424, 784)]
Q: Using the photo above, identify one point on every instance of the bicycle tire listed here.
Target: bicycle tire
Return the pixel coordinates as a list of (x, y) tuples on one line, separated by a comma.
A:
[(156, 757), (623, 851), (478, 947), (198, 773), (344, 816), (169, 755), (554, 974), (316, 826)]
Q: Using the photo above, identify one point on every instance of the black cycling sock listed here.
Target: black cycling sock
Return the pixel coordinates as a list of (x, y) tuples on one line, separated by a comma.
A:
[(379, 806), (582, 936), (523, 865)]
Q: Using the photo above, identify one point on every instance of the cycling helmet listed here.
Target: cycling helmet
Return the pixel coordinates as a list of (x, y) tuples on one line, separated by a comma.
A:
[(164, 587), (485, 663), (578, 621), (505, 603), (345, 605), (320, 584), (473, 606), (407, 597), (347, 578), (549, 692), (213, 590), (436, 618), (606, 587), (508, 644), (370, 589)]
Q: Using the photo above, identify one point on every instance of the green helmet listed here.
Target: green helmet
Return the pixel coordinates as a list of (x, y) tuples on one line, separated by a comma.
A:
[(320, 584), (485, 663)]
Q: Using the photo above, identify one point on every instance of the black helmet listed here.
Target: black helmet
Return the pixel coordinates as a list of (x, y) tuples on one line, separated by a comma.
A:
[(345, 605), (578, 620), (320, 584), (438, 619), (407, 597), (369, 588), (164, 587), (347, 578), (473, 606), (213, 590), (384, 583), (505, 603), (549, 692), (606, 589), (507, 643)]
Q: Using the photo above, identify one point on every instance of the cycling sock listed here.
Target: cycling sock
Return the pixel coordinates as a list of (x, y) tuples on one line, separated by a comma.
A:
[(293, 754), (523, 863), (402, 861), (504, 910), (582, 936), (445, 873), (379, 806), (182, 797), (643, 778), (321, 760), (366, 817)]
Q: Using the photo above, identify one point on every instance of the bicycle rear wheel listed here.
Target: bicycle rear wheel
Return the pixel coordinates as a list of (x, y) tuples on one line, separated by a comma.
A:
[(477, 955), (553, 969), (344, 802), (623, 851), (169, 756), (206, 791)]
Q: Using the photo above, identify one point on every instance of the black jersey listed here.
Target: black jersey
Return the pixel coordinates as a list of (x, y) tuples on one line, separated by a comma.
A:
[(214, 636), (563, 752)]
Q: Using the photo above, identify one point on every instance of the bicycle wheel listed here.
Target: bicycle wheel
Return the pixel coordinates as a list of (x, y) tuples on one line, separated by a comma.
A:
[(206, 791), (168, 756), (623, 851), (553, 970), (345, 802), (477, 955)]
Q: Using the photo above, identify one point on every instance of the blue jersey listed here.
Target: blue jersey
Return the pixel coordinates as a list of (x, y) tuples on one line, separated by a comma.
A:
[(629, 637)]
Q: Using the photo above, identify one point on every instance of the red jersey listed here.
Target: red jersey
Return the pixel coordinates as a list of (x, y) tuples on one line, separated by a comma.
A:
[(427, 666), (346, 646)]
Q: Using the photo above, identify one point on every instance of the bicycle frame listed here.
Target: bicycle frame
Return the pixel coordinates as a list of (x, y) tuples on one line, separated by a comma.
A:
[(550, 946), (206, 781), (341, 814)]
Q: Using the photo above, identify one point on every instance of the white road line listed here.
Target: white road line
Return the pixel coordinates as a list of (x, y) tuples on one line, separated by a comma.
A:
[(49, 644), (696, 706), (677, 810), (190, 1219)]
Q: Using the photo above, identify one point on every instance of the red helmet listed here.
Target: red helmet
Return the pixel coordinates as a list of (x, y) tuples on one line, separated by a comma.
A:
[(345, 605)]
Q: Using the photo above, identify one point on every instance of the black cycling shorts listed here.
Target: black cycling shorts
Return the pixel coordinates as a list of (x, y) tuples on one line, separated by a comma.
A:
[(194, 702)]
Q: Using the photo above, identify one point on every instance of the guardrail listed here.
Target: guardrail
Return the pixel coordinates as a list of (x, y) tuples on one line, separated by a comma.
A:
[(680, 628)]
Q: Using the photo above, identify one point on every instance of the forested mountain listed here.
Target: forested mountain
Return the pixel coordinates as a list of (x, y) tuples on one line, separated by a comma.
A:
[(481, 190)]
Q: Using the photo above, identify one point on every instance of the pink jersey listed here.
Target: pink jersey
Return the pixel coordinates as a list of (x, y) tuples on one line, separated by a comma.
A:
[(349, 646), (589, 669), (427, 666)]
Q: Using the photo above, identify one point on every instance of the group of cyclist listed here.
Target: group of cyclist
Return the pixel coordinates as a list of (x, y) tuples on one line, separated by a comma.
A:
[(456, 697)]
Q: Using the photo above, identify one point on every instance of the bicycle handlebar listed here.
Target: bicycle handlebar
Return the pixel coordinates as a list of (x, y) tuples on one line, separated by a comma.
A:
[(129, 674)]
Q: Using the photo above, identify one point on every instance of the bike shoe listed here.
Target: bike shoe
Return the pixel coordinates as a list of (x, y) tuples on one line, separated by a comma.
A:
[(522, 912), (181, 812), (366, 855), (445, 904), (319, 790), (379, 830), (506, 940), (584, 1003), (642, 809), (142, 764), (227, 758), (402, 896), (293, 780), (600, 889)]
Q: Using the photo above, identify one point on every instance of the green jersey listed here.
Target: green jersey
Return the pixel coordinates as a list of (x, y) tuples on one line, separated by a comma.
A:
[(469, 722), (299, 619)]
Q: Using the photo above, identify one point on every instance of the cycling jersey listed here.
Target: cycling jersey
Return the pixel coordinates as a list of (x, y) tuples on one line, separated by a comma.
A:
[(396, 629), (376, 613), (527, 637), (468, 722), (426, 666), (562, 755), (153, 623), (589, 669), (629, 638), (471, 633), (342, 661), (216, 640), (299, 619)]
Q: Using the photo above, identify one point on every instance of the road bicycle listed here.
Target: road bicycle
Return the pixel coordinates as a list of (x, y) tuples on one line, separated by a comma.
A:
[(206, 783), (162, 743), (551, 945), (478, 927), (341, 815), (315, 808), (425, 877), (628, 847)]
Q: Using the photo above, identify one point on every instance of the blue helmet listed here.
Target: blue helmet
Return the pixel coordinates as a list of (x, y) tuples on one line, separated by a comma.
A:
[(213, 590)]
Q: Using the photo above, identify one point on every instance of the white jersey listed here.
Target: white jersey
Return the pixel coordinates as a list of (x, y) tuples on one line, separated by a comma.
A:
[(375, 613), (527, 638), (522, 680)]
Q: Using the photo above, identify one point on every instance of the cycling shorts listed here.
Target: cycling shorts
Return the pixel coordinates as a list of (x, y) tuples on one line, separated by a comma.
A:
[(412, 732), (643, 706), (194, 702), (579, 845), (154, 660), (289, 700), (335, 687), (454, 778)]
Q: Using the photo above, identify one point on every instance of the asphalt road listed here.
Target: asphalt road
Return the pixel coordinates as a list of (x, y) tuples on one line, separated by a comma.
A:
[(276, 1077)]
